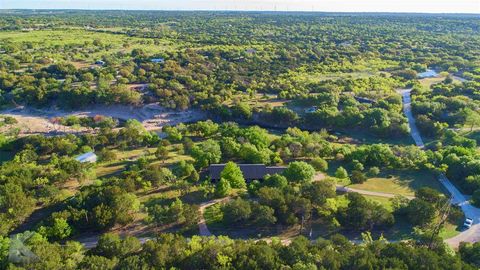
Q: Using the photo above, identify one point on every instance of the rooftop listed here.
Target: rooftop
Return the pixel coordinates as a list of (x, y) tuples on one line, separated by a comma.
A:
[(87, 157)]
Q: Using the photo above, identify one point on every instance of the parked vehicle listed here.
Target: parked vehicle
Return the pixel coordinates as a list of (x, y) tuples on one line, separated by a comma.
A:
[(468, 223)]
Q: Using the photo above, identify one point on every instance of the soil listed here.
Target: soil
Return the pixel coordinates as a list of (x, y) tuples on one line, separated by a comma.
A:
[(39, 121)]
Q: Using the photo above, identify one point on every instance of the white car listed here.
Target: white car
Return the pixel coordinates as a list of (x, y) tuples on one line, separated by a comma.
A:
[(468, 223)]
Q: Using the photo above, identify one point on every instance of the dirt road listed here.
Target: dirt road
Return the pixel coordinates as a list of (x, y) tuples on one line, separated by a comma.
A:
[(202, 224)]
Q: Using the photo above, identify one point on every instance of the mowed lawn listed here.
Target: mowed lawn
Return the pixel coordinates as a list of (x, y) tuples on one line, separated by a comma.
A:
[(401, 182), (427, 82), (385, 202), (125, 157)]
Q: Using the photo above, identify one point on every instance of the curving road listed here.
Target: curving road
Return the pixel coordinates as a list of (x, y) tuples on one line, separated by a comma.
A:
[(471, 235), (407, 109), (202, 224), (91, 241)]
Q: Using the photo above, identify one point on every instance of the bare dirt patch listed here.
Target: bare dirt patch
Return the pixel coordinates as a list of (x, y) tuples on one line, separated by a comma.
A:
[(152, 116), (82, 64)]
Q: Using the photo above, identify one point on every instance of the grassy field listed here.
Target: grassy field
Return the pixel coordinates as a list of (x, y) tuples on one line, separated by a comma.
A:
[(360, 69), (427, 82), (318, 77), (362, 137), (48, 43), (450, 230), (400, 182), (385, 202), (257, 101), (126, 157), (167, 194)]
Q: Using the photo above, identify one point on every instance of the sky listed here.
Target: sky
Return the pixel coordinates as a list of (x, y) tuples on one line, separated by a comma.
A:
[(421, 6)]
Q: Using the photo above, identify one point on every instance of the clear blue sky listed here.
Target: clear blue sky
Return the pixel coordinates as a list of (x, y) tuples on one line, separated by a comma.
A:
[(430, 6)]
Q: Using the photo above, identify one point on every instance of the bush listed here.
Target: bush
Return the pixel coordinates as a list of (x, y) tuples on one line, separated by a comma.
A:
[(299, 172), (319, 164), (374, 171), (236, 211), (223, 188), (420, 212), (107, 155), (232, 173), (357, 166), (358, 177), (8, 120), (341, 173)]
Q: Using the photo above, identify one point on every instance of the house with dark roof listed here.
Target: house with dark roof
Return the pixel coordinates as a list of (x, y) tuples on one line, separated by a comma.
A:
[(250, 171), (364, 100)]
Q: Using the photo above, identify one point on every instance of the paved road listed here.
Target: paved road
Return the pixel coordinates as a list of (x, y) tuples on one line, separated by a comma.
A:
[(407, 109), (471, 235)]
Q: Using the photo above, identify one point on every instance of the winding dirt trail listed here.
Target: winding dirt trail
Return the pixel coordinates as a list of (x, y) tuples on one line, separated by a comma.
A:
[(202, 223)]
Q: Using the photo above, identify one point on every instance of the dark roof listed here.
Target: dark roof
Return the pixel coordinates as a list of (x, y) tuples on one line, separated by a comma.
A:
[(364, 100), (250, 171)]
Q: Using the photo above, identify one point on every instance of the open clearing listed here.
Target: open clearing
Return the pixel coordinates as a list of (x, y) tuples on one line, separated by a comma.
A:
[(152, 116), (126, 157), (427, 82), (403, 182), (114, 43)]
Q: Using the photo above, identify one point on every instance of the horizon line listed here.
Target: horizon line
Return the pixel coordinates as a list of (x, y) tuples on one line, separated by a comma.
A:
[(241, 10)]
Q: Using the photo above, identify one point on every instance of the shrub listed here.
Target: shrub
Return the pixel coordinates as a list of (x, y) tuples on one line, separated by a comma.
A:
[(319, 164), (358, 177), (341, 173)]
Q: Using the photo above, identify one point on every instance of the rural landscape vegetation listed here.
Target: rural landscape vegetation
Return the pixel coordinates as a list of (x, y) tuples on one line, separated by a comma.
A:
[(239, 140)]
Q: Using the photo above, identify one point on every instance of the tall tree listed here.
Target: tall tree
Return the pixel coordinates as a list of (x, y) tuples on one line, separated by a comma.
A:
[(232, 173)]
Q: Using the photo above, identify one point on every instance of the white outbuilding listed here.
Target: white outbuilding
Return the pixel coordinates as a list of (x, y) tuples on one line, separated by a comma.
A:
[(89, 157)]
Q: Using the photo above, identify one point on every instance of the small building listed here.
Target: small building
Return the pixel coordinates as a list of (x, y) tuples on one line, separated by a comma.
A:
[(364, 100), (250, 171), (89, 157), (158, 60), (429, 73), (250, 51), (311, 109)]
